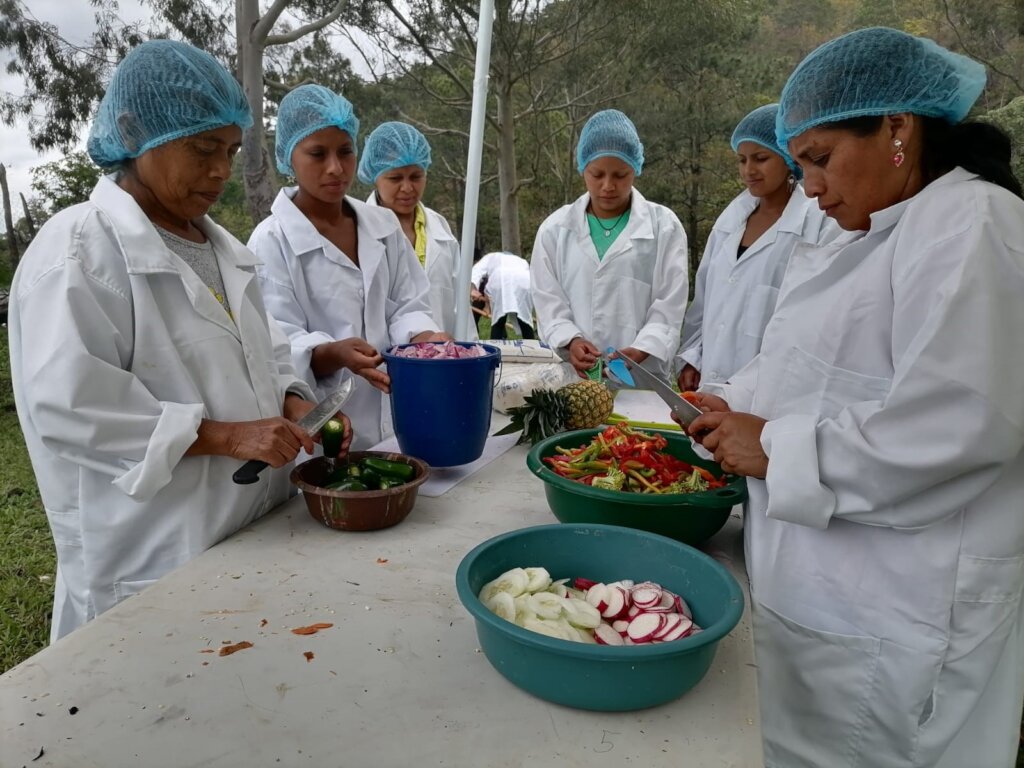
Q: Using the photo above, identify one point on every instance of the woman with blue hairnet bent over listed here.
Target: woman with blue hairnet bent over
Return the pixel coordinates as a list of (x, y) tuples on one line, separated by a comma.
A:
[(394, 161), (143, 363), (746, 256), (610, 270), (882, 425), (339, 275)]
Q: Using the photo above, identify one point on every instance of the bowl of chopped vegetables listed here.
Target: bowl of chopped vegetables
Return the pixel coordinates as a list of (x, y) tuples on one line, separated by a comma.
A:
[(366, 491), (636, 478), (598, 617)]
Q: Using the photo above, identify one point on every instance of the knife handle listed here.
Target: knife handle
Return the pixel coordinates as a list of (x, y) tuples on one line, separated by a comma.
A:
[(249, 472)]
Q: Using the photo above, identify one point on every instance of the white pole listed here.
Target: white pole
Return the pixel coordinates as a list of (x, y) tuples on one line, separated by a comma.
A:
[(463, 315)]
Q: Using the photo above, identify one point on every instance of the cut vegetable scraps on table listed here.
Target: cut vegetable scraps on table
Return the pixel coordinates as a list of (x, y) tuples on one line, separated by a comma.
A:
[(625, 459), (227, 650), (312, 629)]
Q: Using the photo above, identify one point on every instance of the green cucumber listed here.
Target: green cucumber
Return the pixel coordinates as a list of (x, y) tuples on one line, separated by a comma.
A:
[(331, 435)]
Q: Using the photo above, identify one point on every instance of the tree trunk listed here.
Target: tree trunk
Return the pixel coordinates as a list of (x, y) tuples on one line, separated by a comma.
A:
[(12, 237), (508, 191), (693, 212), (29, 221), (260, 185)]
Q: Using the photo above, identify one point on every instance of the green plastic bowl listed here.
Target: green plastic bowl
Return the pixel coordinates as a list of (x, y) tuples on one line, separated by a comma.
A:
[(691, 518), (601, 677)]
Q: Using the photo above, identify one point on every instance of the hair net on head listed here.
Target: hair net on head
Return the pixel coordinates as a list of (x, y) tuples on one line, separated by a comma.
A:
[(877, 71), (610, 133), (392, 145), (308, 109), (163, 90), (759, 127)]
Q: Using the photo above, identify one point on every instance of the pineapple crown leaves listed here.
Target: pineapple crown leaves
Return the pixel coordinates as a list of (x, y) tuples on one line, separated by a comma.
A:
[(546, 412)]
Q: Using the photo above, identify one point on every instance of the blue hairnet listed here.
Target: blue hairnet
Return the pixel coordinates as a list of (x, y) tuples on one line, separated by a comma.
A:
[(877, 71), (161, 91), (308, 109), (392, 145), (759, 127), (610, 133)]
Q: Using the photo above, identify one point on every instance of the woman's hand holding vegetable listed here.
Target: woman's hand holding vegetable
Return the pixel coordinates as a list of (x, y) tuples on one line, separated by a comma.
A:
[(355, 354), (734, 439), (276, 441), (582, 355)]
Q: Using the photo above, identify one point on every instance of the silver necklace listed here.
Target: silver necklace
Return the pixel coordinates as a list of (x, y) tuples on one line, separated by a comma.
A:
[(608, 230)]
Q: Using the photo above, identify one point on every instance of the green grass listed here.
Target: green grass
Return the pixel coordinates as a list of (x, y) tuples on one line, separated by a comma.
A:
[(27, 557)]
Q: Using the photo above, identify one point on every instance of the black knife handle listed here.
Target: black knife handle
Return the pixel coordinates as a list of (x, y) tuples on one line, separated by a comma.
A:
[(249, 472)]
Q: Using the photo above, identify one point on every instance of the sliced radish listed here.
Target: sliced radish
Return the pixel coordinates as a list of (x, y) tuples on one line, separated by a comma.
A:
[(616, 603), (583, 584), (605, 635), (642, 628), (633, 611), (672, 621), (597, 596), (627, 583), (668, 600), (646, 597), (682, 629), (620, 626), (683, 608)]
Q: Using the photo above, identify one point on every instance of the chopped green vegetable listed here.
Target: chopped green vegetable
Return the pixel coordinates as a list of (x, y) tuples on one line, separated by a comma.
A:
[(613, 481)]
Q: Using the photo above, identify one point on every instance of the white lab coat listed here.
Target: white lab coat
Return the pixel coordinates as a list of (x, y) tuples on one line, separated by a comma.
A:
[(319, 295), (634, 297), (508, 285), (886, 548), (734, 298), (442, 268), (118, 351)]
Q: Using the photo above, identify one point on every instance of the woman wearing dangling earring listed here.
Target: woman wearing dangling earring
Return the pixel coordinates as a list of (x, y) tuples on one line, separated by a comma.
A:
[(746, 256), (610, 270)]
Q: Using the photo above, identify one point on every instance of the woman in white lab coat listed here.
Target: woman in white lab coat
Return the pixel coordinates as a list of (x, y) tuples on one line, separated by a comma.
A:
[(505, 278), (338, 275), (395, 160), (144, 368), (882, 426), (610, 270), (746, 255)]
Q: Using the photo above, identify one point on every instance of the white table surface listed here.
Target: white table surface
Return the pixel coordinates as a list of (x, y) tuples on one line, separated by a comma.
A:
[(398, 681)]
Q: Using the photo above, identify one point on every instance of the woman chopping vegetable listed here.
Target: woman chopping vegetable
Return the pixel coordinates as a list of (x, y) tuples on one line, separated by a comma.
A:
[(143, 365), (746, 256), (882, 425), (610, 270), (339, 275)]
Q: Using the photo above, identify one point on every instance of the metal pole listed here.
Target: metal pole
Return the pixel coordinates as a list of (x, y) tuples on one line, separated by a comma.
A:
[(463, 316)]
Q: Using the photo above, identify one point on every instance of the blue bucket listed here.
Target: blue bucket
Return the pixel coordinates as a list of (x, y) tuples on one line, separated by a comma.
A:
[(442, 408)]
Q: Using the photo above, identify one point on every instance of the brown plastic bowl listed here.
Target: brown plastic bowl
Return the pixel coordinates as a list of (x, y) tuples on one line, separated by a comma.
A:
[(357, 510)]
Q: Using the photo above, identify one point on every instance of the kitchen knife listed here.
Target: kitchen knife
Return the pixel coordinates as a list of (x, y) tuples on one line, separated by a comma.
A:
[(683, 409), (312, 422)]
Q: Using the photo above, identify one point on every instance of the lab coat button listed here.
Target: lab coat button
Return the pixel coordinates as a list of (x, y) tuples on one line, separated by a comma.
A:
[(732, 280)]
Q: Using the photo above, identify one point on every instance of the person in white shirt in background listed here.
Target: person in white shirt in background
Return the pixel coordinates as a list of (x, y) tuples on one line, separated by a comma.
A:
[(506, 279), (746, 255), (881, 427), (395, 160), (610, 270), (144, 366), (340, 276)]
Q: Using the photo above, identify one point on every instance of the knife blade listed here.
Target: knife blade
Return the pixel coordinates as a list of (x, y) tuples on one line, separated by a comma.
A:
[(683, 409), (312, 422)]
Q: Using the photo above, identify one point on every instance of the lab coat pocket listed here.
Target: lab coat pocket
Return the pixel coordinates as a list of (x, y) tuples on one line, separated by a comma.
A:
[(816, 690), (123, 589), (813, 387), (758, 310)]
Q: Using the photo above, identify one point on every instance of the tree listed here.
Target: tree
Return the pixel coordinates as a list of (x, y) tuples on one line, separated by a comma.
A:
[(12, 237), (66, 182)]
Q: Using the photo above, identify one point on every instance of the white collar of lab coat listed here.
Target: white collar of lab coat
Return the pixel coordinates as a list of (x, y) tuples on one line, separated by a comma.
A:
[(144, 249), (734, 217), (888, 217), (638, 228), (302, 234), (435, 231)]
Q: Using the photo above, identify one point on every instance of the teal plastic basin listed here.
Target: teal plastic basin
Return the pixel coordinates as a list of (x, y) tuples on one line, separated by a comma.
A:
[(688, 517), (597, 677)]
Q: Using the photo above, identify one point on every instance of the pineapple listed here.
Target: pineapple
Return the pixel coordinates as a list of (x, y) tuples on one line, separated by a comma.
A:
[(580, 405)]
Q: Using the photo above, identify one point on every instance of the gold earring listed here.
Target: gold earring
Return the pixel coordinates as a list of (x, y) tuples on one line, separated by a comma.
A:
[(898, 157)]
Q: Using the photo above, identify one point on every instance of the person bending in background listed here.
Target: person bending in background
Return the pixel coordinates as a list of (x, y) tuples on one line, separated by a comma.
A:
[(746, 256), (339, 275), (395, 160), (504, 279), (144, 365), (610, 270)]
